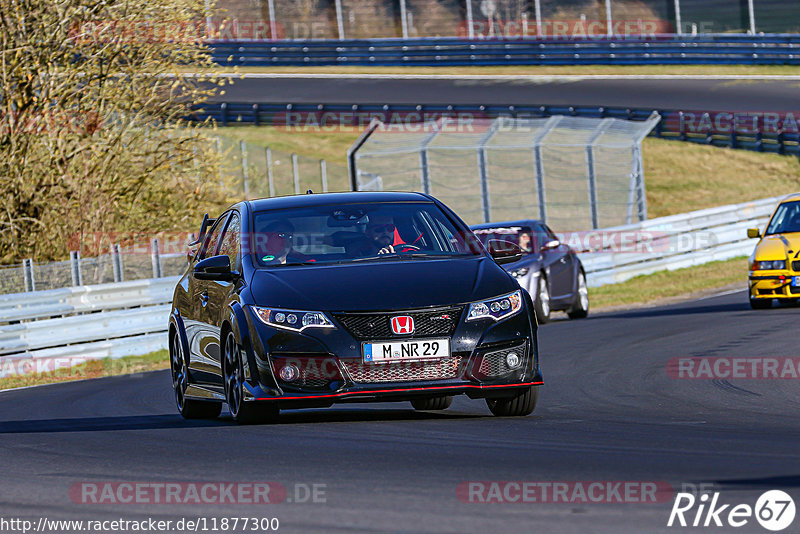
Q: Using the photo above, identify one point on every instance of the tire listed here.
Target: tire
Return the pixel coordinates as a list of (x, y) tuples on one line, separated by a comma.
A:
[(541, 303), (760, 304), (246, 413), (188, 408), (522, 404), (432, 403), (580, 309)]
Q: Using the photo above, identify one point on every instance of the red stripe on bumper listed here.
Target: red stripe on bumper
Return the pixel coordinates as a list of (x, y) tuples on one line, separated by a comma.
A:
[(369, 392)]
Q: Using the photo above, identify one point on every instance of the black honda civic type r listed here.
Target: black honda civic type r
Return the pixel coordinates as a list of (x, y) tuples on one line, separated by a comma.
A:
[(310, 300)]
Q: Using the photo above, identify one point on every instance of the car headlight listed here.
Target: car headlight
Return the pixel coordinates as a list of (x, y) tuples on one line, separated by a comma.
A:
[(768, 265), (294, 320), (497, 308), (519, 273)]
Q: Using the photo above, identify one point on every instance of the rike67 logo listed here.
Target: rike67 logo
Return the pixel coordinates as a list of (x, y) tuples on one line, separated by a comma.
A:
[(774, 510)]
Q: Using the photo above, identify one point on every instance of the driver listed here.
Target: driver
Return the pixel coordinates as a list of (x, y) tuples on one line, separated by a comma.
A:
[(525, 241), (380, 232)]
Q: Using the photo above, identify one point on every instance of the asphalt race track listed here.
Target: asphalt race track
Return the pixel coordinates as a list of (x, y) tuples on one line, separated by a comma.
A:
[(654, 92), (608, 412)]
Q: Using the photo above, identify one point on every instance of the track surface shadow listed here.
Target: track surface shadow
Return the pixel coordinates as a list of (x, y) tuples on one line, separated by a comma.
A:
[(168, 421)]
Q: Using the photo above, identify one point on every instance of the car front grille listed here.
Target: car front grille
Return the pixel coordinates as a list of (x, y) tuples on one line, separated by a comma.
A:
[(370, 373), (431, 322), (796, 266)]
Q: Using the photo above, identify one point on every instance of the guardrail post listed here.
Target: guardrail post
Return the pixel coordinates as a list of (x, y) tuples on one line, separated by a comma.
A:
[(27, 270), (245, 172), (323, 175), (538, 10), (116, 262), (424, 168), (296, 174), (404, 19), (155, 257), (223, 110), (75, 268), (270, 178), (470, 21), (590, 170), (255, 115), (273, 29)]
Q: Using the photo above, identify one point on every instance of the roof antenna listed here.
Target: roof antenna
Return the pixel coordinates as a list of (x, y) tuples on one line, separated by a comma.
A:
[(309, 192)]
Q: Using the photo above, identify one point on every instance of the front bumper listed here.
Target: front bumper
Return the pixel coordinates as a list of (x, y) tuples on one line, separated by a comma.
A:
[(332, 368), (773, 285)]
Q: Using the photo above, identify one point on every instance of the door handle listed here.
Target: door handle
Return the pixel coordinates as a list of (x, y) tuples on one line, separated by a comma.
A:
[(204, 298)]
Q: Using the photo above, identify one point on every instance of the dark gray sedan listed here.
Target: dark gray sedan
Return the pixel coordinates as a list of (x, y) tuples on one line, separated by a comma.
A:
[(549, 269)]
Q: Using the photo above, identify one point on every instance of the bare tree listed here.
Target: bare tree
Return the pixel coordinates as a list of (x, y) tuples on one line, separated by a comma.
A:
[(93, 130)]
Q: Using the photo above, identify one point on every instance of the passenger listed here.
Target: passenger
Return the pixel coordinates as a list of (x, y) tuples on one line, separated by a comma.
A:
[(276, 244)]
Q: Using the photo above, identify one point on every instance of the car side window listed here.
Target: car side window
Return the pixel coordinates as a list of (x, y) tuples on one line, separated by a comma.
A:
[(541, 236), (231, 240), (210, 244)]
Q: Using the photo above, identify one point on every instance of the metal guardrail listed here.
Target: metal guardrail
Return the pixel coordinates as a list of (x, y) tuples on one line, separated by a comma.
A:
[(770, 49), (48, 330), (756, 132), (677, 241)]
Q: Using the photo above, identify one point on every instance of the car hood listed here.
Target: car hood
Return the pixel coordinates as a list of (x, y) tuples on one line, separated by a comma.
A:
[(393, 285), (778, 246)]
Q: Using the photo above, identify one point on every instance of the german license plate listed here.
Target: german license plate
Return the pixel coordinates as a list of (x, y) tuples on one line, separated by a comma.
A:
[(397, 351), (796, 281)]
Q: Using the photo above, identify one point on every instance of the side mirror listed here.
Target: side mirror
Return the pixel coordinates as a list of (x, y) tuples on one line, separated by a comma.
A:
[(550, 245), (753, 233), (504, 251), (214, 268)]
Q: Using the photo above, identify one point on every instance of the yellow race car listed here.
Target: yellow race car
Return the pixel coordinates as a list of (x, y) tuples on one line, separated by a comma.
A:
[(775, 262)]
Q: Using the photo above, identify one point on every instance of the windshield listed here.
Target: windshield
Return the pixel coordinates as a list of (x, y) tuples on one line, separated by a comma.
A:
[(786, 219), (527, 238), (348, 233)]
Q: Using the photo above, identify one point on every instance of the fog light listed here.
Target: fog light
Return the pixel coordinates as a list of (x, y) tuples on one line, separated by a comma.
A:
[(512, 360), (289, 373)]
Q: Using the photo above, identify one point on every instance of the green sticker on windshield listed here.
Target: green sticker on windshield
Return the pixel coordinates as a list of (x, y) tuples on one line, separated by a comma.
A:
[(268, 258)]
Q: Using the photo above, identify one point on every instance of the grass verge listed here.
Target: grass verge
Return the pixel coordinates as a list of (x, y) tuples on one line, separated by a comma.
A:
[(664, 286), (91, 369)]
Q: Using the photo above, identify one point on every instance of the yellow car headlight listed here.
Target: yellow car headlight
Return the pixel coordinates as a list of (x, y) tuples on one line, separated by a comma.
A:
[(768, 265)]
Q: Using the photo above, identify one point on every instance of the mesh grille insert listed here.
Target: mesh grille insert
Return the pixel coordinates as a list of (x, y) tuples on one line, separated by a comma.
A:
[(433, 322), (367, 373)]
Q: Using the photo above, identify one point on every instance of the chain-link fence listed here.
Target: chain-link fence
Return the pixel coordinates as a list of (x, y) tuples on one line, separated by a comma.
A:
[(355, 19), (572, 172), (256, 171)]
